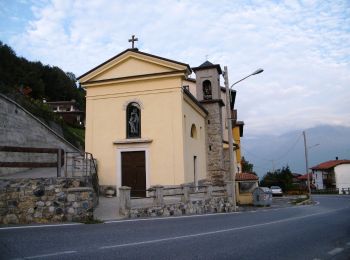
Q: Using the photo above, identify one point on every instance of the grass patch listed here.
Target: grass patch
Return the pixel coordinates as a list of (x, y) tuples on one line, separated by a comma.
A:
[(299, 200), (92, 221), (78, 133)]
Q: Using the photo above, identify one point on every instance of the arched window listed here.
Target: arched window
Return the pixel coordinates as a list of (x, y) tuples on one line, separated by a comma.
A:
[(194, 131), (207, 93), (133, 120)]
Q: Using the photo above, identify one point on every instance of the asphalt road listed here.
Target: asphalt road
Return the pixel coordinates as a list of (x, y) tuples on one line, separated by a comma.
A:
[(314, 232)]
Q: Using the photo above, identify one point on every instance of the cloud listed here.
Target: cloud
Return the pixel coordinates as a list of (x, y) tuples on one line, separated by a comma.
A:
[(302, 45)]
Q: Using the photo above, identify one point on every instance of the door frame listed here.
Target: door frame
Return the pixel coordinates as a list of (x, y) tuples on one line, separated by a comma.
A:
[(119, 164)]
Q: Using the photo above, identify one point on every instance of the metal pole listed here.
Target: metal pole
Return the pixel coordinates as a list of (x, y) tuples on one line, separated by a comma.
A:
[(307, 165), (232, 175)]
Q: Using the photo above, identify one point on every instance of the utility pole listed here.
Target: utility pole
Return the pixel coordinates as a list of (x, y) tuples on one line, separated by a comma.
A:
[(307, 165), (232, 168), (229, 119)]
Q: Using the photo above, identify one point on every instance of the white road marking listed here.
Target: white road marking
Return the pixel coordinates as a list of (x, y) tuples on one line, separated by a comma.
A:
[(49, 255), (40, 226), (213, 232), (202, 215), (335, 251)]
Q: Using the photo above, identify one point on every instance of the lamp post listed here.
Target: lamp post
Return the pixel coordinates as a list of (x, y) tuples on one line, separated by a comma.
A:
[(307, 166), (307, 163), (232, 169)]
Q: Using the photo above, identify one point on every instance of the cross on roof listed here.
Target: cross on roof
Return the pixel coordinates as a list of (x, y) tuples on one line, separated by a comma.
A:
[(133, 40)]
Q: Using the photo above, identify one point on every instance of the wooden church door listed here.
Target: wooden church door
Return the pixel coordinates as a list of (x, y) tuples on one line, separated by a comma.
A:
[(134, 172)]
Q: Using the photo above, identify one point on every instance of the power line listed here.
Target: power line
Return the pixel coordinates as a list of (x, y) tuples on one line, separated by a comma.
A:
[(278, 158), (292, 147)]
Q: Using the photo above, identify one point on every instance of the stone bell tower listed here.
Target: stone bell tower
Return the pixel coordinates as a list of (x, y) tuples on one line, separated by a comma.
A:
[(209, 95)]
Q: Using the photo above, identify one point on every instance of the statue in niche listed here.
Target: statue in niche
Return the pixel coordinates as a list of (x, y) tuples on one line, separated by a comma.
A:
[(133, 121)]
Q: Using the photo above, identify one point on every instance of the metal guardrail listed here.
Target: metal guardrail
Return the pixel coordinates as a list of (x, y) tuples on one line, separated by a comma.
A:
[(82, 165), (199, 189)]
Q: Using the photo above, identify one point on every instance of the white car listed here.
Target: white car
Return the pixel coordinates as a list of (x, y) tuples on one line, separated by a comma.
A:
[(276, 191)]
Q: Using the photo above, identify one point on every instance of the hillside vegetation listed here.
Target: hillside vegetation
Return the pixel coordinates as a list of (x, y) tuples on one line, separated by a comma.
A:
[(28, 83)]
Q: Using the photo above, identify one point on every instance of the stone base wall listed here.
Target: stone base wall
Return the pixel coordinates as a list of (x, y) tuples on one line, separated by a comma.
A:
[(45, 200), (214, 205)]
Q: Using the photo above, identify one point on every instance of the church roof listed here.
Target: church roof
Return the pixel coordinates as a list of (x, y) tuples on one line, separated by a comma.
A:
[(208, 65), (136, 51), (195, 100)]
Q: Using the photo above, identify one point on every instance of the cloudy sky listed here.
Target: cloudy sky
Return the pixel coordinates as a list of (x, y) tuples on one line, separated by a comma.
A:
[(303, 46)]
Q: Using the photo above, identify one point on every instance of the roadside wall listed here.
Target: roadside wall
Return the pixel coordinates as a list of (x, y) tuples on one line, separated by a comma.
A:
[(18, 127), (45, 200), (213, 205)]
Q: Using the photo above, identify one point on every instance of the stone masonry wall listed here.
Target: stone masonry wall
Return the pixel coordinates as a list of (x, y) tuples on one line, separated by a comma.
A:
[(45, 200), (215, 162), (213, 205)]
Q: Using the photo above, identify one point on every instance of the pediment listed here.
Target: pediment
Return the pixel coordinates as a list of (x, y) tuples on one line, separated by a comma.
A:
[(129, 64)]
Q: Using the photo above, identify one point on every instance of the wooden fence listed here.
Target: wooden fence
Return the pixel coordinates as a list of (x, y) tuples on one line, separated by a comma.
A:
[(21, 164)]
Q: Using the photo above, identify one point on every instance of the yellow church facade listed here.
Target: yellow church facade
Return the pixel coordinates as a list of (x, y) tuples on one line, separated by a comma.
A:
[(142, 125)]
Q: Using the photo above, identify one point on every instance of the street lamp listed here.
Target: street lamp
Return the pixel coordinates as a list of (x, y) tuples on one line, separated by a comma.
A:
[(307, 163), (258, 71), (232, 176)]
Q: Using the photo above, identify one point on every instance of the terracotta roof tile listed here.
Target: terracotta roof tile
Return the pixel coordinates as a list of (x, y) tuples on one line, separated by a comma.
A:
[(329, 164), (304, 177), (246, 177)]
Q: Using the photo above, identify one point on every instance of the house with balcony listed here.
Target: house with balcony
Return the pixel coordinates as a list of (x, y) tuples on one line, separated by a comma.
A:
[(334, 174), (68, 111)]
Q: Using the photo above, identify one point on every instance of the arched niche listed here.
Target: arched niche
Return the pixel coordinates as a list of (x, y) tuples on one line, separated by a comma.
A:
[(133, 120)]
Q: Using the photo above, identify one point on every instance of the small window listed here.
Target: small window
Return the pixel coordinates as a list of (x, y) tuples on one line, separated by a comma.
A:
[(194, 131)]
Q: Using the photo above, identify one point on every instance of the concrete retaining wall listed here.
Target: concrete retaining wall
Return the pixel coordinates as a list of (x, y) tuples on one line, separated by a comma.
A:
[(45, 200), (18, 127)]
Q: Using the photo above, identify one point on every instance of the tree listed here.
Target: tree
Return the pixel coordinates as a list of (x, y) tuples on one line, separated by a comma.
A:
[(247, 166), (280, 177), (45, 81)]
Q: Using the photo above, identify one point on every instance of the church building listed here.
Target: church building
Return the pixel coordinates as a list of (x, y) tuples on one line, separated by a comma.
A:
[(149, 123)]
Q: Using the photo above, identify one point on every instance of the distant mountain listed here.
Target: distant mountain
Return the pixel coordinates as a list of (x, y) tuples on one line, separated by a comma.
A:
[(325, 142)]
